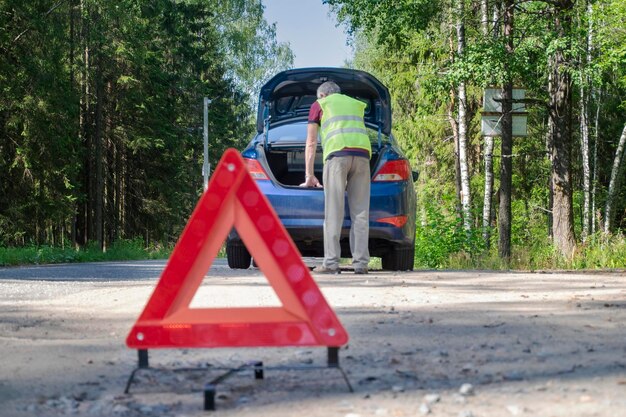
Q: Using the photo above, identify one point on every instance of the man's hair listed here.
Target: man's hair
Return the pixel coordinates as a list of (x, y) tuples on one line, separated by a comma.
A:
[(328, 88)]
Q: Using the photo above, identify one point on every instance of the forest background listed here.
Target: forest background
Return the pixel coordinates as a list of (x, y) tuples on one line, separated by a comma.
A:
[(101, 116)]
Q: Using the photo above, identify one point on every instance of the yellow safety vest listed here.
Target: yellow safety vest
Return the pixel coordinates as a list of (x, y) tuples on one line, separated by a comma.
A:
[(342, 124)]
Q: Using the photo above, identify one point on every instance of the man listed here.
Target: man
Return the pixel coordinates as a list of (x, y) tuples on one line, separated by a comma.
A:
[(346, 154)]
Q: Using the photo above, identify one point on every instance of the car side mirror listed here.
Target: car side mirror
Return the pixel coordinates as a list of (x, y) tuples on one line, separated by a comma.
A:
[(415, 175)]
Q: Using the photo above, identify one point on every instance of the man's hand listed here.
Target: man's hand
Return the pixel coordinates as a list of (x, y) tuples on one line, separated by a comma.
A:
[(311, 181)]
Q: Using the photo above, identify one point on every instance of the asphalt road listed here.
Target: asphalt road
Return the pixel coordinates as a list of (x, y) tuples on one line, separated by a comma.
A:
[(89, 272)]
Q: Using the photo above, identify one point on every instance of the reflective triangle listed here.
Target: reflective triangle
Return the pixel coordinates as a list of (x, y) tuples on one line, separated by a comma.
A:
[(233, 199)]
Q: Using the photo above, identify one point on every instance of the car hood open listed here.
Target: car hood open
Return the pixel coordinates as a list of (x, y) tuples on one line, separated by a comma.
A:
[(289, 95)]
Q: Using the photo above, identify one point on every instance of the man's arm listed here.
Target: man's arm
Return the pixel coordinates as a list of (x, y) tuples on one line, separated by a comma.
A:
[(309, 157)]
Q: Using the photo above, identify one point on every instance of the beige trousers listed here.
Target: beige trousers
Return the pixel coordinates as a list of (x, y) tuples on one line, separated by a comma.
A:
[(349, 174)]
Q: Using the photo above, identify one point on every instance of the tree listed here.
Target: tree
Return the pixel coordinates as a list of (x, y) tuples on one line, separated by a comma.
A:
[(560, 112), (37, 152), (615, 181), (585, 95), (489, 141), (506, 150), (100, 108), (253, 54), (538, 53), (466, 200), (611, 41), (395, 24)]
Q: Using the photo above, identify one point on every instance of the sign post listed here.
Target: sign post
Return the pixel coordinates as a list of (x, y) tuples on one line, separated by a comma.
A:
[(492, 113), (206, 167)]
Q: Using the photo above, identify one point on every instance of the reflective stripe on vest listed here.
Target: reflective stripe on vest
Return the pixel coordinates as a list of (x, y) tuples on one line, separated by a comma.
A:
[(342, 124), (341, 118), (346, 130)]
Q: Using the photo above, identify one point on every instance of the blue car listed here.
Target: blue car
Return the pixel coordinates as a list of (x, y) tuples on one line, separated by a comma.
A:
[(275, 158)]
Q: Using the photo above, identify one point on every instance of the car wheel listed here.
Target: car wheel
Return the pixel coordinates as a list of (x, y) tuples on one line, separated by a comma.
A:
[(399, 258), (238, 256)]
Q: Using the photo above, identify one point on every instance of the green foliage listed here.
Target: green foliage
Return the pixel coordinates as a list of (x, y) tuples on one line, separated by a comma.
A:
[(611, 36), (439, 237), (395, 21), (417, 58), (252, 51), (599, 252), (101, 105), (101, 110), (121, 250)]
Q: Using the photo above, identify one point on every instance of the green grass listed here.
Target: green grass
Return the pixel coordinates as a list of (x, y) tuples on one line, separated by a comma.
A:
[(441, 242), (598, 252), (122, 250), (433, 251)]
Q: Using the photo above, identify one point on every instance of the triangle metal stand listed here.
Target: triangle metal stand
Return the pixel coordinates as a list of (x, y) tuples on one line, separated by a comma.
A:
[(259, 368)]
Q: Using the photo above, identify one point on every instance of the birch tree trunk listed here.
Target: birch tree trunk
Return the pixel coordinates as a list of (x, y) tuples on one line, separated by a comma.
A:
[(497, 12), (488, 153), (457, 169), (549, 134), (614, 183), (585, 92), (594, 178), (484, 17), (487, 197), (462, 123), (457, 165), (455, 134), (584, 152)]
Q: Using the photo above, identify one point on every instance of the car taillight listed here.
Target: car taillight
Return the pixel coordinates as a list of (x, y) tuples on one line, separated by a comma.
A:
[(255, 169), (397, 170), (397, 221)]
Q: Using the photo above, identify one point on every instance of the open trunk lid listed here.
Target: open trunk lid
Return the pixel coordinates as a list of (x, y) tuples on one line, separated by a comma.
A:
[(288, 96)]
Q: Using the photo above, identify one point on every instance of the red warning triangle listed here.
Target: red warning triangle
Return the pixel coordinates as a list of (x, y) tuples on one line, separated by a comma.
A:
[(233, 199)]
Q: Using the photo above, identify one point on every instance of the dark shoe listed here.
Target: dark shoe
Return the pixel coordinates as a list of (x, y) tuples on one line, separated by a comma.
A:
[(323, 270), (360, 271)]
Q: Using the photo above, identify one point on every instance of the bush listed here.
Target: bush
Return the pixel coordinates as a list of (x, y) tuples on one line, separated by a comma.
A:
[(442, 242), (438, 239)]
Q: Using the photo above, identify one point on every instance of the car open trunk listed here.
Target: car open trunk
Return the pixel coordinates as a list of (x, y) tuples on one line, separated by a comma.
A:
[(284, 104), (287, 165)]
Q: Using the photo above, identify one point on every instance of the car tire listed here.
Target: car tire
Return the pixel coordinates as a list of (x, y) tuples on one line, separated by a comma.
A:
[(399, 258), (238, 256)]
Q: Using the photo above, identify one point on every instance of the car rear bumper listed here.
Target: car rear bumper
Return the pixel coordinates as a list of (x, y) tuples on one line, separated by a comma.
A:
[(301, 212), (310, 240)]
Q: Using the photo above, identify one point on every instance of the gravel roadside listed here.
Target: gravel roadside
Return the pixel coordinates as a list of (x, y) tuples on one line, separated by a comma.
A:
[(453, 343)]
